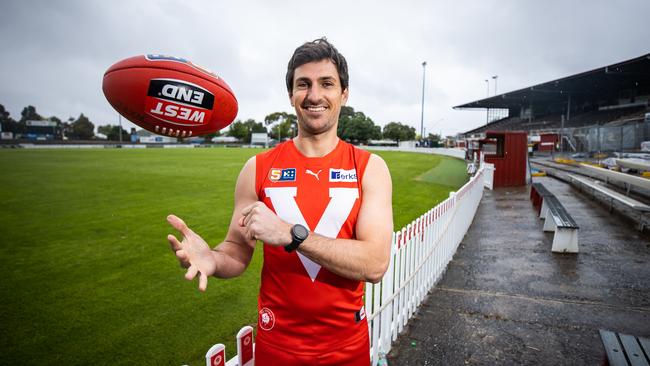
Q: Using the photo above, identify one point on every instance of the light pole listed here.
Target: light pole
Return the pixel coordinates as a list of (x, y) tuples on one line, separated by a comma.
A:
[(120, 119), (487, 110), (495, 83), (424, 67)]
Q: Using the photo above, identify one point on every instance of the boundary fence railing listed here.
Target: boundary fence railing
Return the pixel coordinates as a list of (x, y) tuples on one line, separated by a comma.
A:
[(420, 253)]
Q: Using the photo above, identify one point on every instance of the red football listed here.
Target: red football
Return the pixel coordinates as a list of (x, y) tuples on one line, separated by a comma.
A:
[(169, 95)]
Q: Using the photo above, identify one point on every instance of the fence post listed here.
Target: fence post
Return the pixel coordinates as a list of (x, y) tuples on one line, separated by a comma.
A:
[(245, 354), (216, 355)]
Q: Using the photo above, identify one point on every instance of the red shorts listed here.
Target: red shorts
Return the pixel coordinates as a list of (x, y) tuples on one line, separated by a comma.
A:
[(353, 354)]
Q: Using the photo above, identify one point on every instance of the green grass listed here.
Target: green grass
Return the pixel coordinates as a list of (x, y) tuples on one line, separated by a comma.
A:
[(87, 274)]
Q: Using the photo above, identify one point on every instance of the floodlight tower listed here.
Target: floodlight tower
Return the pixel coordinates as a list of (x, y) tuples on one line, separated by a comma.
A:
[(424, 67)]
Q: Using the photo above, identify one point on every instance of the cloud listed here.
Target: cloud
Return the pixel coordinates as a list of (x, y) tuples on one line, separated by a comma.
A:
[(56, 52)]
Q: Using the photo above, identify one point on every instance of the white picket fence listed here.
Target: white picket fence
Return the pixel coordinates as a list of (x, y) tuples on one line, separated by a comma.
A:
[(419, 256)]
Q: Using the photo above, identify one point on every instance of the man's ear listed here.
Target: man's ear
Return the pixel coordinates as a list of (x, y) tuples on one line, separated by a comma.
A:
[(344, 96), (290, 98)]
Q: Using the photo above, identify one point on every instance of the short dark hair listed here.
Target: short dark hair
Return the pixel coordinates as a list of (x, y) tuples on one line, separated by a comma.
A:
[(319, 49)]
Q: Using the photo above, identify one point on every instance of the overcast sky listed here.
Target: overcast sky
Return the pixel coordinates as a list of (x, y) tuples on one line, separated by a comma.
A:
[(55, 52)]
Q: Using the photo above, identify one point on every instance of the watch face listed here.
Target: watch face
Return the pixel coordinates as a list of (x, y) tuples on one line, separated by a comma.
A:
[(300, 232)]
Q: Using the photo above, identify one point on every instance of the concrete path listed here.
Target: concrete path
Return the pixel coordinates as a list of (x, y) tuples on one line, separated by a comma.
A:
[(506, 299)]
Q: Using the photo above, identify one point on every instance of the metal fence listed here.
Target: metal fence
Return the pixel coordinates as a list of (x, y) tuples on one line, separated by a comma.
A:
[(420, 253), (627, 137)]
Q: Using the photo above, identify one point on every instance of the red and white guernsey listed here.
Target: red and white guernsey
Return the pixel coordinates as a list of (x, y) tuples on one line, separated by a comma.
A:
[(303, 307)]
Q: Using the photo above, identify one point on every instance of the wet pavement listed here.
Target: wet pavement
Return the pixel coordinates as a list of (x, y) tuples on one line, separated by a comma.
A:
[(506, 299)]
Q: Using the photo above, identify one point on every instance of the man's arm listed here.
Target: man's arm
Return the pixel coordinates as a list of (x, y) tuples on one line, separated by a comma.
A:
[(232, 256), (365, 258)]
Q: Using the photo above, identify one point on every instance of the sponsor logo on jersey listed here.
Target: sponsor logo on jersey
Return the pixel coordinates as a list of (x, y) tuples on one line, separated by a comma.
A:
[(178, 102), (342, 175), (282, 175), (267, 319)]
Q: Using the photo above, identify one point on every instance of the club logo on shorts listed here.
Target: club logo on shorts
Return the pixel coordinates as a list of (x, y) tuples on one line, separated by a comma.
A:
[(342, 175), (266, 319), (282, 175)]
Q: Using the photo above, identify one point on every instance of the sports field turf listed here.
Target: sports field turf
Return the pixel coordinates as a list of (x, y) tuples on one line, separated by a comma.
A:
[(87, 276)]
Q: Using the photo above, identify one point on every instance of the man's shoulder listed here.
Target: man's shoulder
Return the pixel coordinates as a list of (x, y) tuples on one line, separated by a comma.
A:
[(271, 152)]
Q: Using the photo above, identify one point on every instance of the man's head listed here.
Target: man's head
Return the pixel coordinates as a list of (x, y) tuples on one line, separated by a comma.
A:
[(317, 81), (317, 50)]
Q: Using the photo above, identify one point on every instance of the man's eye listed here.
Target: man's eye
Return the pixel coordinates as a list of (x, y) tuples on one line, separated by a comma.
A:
[(301, 85), (328, 84)]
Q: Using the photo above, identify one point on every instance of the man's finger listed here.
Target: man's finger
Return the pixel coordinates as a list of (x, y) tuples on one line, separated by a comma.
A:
[(191, 273), (247, 219), (203, 282), (178, 224), (241, 221), (248, 209), (249, 234), (175, 244), (182, 255)]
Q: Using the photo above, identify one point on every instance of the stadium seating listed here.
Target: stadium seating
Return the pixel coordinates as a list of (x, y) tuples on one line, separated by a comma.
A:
[(612, 196), (553, 122)]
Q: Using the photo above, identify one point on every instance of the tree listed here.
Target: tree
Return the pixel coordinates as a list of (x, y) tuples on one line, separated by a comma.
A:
[(244, 130), (7, 124), (58, 130), (112, 132), (433, 137), (29, 114), (82, 128), (356, 126), (397, 131), (285, 124), (208, 137)]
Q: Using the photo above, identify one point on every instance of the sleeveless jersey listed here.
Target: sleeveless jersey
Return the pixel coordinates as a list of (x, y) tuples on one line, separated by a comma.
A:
[(303, 307)]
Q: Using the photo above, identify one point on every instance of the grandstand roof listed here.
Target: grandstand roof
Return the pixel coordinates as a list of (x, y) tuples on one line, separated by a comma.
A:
[(603, 82)]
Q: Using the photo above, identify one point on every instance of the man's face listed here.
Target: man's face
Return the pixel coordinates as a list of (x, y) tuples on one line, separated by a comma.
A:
[(317, 96)]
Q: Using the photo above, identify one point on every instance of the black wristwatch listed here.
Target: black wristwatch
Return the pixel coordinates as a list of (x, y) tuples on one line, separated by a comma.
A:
[(298, 234)]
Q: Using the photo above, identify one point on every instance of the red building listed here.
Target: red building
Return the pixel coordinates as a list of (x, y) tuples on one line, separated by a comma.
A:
[(548, 141), (508, 151)]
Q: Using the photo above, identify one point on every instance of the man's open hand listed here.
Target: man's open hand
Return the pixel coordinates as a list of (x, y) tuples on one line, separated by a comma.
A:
[(193, 252)]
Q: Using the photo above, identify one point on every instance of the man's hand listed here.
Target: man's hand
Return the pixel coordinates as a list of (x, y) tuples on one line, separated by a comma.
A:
[(193, 253), (260, 223)]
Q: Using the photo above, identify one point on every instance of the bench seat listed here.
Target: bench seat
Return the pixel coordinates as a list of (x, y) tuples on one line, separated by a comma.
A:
[(556, 219), (625, 349)]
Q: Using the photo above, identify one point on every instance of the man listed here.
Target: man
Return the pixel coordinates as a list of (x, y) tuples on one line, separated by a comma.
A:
[(323, 210)]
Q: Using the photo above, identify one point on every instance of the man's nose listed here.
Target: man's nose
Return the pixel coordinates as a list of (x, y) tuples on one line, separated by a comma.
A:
[(314, 94)]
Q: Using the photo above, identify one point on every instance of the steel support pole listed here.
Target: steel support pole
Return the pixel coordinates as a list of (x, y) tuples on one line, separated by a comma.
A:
[(424, 68)]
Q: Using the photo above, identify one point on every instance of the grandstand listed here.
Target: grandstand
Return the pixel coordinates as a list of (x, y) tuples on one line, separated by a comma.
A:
[(598, 110)]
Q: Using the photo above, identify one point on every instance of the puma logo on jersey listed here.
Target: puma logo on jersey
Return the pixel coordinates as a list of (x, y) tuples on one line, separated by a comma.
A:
[(337, 211), (314, 174)]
